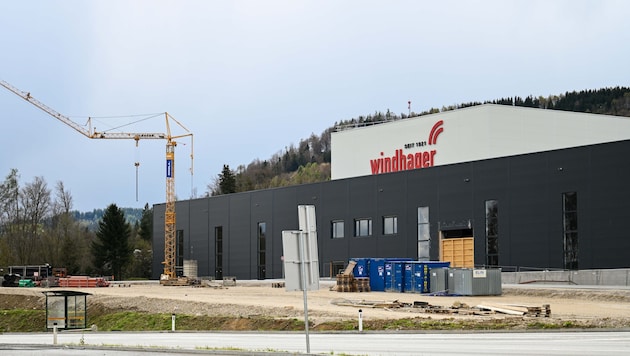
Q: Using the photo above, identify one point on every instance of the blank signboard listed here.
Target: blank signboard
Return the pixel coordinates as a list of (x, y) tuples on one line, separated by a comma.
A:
[(292, 262)]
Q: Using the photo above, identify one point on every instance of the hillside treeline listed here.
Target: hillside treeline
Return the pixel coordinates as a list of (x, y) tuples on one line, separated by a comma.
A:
[(309, 161), (90, 219)]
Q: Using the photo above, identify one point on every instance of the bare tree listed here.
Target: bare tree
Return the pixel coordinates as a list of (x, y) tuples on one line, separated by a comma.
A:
[(35, 205), (63, 199), (62, 231)]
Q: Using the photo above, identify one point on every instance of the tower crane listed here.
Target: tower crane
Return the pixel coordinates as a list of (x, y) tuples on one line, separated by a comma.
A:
[(169, 275)]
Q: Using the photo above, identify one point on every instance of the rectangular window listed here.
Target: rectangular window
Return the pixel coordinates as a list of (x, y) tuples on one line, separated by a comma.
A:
[(179, 253), (390, 225), (570, 230), (218, 252), (262, 234), (424, 236), (262, 250), (492, 232), (362, 227), (337, 229)]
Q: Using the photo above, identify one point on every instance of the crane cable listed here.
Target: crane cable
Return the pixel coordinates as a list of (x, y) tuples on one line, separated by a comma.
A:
[(137, 164)]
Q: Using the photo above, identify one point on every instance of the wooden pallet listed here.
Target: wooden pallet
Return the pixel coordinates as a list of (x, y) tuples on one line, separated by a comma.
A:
[(363, 284), (346, 283)]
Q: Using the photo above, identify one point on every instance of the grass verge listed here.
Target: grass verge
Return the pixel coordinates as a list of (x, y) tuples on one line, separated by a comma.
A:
[(21, 320)]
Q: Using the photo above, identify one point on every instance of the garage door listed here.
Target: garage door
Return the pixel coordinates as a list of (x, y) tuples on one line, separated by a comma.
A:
[(458, 251)]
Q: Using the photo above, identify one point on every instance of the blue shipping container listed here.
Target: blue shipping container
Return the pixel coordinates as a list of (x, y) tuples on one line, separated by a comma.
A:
[(389, 276), (394, 274), (377, 274), (409, 278), (361, 269), (399, 276), (418, 277)]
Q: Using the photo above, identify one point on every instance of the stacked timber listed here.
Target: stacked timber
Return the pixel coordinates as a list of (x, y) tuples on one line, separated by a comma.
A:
[(347, 282), (363, 284), (82, 282)]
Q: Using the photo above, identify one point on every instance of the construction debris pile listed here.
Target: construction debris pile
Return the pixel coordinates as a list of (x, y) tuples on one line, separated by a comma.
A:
[(456, 308)]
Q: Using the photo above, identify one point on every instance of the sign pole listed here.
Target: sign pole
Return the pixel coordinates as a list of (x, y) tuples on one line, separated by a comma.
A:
[(300, 256), (301, 243)]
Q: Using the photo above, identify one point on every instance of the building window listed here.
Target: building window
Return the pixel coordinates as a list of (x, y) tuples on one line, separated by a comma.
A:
[(570, 230), (262, 250), (492, 232), (390, 225), (424, 236), (179, 253), (218, 252), (362, 227), (337, 229)]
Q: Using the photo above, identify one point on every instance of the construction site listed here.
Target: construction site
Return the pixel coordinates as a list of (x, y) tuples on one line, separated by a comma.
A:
[(456, 281), (233, 304), (250, 305)]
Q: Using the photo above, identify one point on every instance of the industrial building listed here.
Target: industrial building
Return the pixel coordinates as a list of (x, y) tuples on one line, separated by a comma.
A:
[(489, 185)]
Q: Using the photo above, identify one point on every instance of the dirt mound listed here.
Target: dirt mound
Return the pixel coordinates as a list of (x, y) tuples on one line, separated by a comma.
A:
[(11, 301)]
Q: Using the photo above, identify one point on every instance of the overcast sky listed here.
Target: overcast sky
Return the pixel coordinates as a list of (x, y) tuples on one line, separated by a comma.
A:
[(250, 78)]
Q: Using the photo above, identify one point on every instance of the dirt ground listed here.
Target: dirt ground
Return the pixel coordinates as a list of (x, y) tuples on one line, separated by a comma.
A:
[(593, 307)]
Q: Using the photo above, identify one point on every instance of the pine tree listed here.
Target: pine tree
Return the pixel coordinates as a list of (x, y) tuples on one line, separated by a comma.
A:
[(111, 249), (146, 224), (227, 180)]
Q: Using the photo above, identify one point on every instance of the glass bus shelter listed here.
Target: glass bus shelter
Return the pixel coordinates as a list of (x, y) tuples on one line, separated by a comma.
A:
[(66, 309)]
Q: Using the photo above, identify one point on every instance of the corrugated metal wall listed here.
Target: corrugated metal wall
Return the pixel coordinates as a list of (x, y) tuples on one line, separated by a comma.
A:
[(528, 189)]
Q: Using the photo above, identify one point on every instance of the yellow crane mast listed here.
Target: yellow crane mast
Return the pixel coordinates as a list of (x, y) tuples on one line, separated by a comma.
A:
[(89, 132)]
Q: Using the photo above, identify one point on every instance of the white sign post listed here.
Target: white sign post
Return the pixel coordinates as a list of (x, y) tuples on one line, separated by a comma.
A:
[(301, 262)]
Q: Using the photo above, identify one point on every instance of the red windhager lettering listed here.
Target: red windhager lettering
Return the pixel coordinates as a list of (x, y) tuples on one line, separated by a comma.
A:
[(402, 162)]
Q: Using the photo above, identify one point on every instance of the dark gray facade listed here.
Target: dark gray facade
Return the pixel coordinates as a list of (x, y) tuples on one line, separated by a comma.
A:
[(533, 217)]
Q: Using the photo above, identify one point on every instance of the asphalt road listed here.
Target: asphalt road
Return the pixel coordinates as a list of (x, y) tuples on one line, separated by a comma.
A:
[(609, 343)]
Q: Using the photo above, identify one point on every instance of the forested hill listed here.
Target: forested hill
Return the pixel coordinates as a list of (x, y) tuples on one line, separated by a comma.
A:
[(90, 219), (310, 161)]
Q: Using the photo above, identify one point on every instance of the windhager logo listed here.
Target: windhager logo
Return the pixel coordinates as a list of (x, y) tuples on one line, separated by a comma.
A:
[(436, 130), (402, 161)]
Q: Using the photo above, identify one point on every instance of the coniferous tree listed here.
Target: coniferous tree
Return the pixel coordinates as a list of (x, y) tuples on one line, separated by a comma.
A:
[(146, 223), (111, 250), (227, 180)]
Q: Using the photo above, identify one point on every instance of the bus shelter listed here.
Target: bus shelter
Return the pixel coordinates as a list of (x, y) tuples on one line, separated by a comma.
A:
[(66, 309)]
